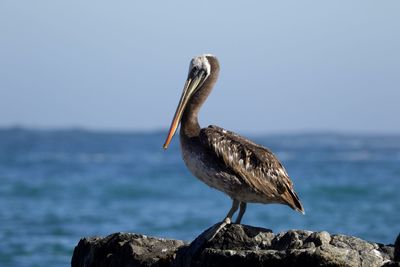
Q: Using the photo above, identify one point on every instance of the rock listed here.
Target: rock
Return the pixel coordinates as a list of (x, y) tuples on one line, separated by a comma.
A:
[(123, 249), (319, 238), (388, 250), (397, 249), (235, 245)]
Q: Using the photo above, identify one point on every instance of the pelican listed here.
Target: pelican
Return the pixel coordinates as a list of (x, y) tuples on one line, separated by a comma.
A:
[(245, 171)]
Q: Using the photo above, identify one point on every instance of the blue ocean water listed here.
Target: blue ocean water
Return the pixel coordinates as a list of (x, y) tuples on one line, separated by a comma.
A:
[(58, 186)]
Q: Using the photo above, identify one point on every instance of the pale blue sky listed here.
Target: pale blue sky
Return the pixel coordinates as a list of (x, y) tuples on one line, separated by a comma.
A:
[(287, 66)]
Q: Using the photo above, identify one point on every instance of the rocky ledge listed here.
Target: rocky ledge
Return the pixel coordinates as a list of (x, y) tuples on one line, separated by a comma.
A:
[(236, 245)]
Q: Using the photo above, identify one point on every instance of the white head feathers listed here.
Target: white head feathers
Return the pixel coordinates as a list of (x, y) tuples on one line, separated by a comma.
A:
[(201, 62)]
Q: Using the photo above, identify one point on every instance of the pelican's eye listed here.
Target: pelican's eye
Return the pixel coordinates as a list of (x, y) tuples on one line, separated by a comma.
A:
[(194, 71)]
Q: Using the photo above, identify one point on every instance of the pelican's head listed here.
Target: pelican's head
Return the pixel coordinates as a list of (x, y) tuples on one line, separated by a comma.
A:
[(199, 71)]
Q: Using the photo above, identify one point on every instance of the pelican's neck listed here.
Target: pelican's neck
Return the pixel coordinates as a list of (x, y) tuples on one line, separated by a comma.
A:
[(190, 126)]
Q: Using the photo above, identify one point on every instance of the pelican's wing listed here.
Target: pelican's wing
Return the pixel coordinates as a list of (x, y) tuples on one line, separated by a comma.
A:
[(255, 164)]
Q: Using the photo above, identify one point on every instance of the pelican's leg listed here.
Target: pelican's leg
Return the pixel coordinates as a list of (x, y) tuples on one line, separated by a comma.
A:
[(234, 208), (228, 219), (241, 212)]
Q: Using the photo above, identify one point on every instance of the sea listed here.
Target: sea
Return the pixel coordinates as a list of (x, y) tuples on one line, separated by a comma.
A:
[(57, 186)]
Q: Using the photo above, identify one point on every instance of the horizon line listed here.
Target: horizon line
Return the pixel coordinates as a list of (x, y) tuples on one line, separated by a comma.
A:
[(308, 132)]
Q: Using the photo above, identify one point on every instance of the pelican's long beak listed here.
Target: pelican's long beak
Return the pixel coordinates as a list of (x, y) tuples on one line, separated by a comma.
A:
[(193, 82)]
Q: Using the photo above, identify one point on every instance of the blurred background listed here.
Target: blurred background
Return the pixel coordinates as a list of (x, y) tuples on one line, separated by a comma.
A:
[(88, 89)]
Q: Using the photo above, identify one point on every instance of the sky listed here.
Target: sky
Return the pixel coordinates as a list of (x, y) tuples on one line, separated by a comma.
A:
[(286, 66)]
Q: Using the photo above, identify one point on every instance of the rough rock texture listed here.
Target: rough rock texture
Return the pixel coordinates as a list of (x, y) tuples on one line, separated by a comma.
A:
[(236, 245), (123, 249)]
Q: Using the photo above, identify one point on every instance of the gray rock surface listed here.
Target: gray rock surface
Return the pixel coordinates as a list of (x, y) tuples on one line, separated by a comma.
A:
[(123, 249), (235, 245)]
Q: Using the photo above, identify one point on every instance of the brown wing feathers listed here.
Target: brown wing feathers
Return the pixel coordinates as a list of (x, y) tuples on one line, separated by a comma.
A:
[(256, 165)]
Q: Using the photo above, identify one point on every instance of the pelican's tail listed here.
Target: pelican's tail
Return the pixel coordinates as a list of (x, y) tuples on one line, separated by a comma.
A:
[(293, 200)]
